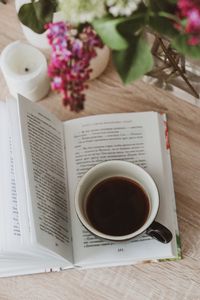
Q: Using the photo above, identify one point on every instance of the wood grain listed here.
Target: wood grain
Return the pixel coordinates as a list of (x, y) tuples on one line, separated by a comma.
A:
[(169, 280)]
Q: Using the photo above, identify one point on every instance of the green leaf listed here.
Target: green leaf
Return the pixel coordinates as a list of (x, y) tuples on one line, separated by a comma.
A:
[(107, 30), (172, 1), (172, 17), (163, 26), (36, 14), (135, 61), (164, 5), (180, 43), (133, 26)]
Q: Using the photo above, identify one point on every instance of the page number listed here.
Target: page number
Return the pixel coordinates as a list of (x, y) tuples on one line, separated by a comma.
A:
[(120, 249)]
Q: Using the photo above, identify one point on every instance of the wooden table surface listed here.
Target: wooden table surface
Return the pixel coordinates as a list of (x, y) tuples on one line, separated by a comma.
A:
[(167, 280)]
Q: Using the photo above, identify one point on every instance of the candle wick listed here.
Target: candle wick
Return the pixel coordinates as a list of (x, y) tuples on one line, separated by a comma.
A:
[(26, 69)]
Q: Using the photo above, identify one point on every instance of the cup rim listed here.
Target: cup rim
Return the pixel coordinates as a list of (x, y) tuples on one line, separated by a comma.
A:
[(98, 233)]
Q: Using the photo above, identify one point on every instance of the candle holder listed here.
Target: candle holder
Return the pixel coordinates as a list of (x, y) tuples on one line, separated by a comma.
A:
[(173, 72)]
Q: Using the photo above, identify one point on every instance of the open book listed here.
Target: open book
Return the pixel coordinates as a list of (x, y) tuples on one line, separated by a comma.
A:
[(41, 161)]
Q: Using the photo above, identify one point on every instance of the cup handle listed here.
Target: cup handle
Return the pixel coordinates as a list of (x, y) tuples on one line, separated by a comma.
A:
[(159, 232)]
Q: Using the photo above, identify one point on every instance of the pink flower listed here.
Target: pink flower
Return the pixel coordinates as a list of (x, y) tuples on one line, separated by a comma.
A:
[(56, 83), (189, 14), (193, 23), (70, 60)]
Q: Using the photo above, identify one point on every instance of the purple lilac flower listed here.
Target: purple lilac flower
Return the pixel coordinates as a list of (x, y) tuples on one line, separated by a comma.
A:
[(70, 60)]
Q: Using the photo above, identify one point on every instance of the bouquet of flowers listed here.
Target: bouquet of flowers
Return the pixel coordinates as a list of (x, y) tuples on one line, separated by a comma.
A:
[(119, 24)]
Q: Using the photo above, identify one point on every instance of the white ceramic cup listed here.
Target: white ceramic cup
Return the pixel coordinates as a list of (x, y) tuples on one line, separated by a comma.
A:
[(117, 168)]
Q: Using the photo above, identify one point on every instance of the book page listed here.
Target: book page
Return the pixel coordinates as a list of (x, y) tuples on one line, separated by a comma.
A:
[(134, 137), (46, 181), (10, 227)]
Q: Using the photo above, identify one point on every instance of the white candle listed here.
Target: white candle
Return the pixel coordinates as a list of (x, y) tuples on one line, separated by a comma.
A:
[(25, 70)]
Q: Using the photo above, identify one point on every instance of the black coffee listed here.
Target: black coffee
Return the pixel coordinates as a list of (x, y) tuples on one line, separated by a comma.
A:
[(117, 206)]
